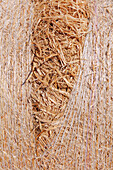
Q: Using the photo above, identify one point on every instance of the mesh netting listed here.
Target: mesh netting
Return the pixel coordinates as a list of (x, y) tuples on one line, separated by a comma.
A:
[(84, 137)]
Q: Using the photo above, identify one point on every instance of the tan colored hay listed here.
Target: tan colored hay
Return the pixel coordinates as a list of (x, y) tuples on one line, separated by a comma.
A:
[(58, 34), (84, 140)]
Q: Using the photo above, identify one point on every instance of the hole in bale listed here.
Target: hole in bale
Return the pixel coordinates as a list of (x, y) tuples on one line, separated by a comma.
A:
[(47, 53), (37, 109), (51, 24), (56, 7), (35, 69), (50, 60), (57, 86), (59, 61), (43, 89), (34, 117), (50, 29)]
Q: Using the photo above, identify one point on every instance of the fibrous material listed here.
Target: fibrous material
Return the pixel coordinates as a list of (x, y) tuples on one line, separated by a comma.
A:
[(58, 34), (81, 136)]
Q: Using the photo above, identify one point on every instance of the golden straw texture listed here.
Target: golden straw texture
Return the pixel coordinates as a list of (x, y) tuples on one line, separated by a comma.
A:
[(80, 135), (58, 34)]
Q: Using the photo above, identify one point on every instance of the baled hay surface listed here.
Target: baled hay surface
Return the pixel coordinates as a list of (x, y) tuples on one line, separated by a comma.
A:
[(85, 138), (15, 57), (58, 34)]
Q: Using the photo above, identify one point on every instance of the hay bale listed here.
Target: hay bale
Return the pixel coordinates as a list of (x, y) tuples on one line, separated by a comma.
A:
[(82, 137), (58, 34)]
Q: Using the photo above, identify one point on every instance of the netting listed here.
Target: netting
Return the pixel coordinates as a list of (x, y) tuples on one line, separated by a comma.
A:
[(84, 137)]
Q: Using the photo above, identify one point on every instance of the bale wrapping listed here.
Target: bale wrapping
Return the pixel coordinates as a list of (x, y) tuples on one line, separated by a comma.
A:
[(83, 135)]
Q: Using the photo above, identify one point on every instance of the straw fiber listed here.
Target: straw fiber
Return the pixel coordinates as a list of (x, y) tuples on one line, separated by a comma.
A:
[(58, 34), (56, 84)]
